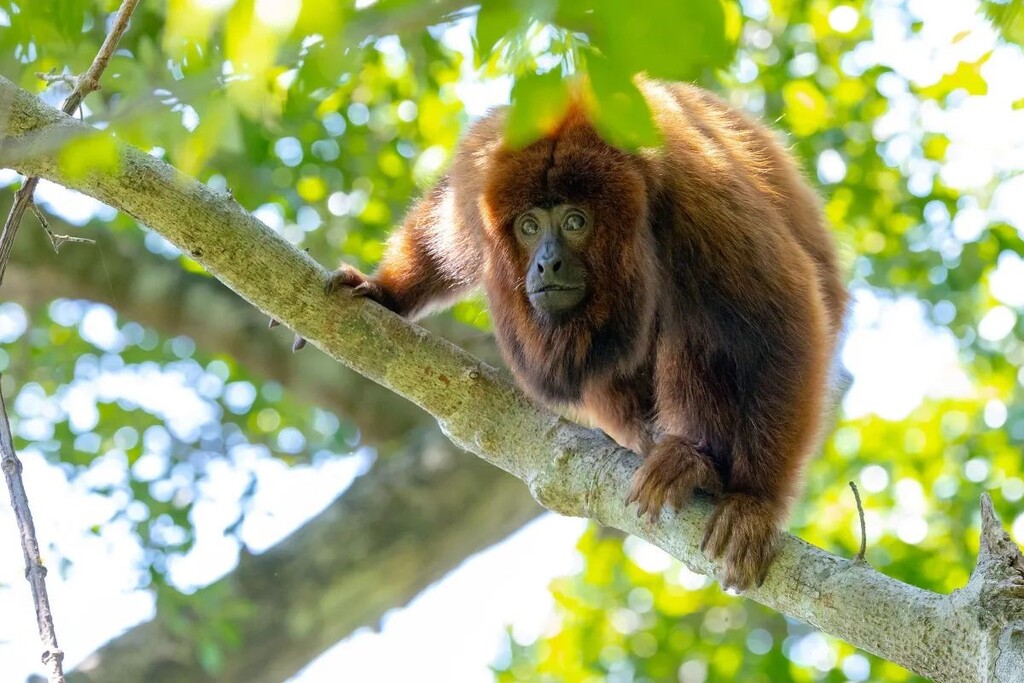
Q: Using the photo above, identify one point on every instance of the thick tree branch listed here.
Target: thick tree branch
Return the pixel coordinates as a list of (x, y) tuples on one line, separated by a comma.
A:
[(568, 469), (398, 528), (157, 293)]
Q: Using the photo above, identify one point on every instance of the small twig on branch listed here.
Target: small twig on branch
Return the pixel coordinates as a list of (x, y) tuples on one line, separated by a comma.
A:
[(35, 571), (83, 85), (863, 525), (52, 77), (56, 241)]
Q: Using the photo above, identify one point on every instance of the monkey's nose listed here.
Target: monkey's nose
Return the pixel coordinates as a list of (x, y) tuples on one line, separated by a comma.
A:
[(552, 265)]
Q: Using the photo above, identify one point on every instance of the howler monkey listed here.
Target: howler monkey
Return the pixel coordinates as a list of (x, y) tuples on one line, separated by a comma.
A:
[(686, 298)]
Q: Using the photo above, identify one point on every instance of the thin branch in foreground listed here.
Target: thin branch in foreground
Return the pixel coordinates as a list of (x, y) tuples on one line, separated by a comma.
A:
[(863, 525), (56, 241), (83, 85), (35, 571)]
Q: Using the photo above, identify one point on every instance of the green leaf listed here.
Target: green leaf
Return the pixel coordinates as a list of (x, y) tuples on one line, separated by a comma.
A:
[(539, 103), (668, 39), (495, 19), (807, 110), (95, 153), (621, 114), (211, 656), (966, 76)]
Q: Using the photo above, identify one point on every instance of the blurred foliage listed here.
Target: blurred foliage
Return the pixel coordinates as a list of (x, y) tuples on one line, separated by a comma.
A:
[(326, 118), (1008, 16)]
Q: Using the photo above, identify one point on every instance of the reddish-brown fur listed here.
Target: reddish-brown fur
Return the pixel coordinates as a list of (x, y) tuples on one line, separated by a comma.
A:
[(714, 300)]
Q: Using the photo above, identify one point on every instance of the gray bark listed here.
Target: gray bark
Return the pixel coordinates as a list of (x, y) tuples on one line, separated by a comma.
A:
[(973, 634)]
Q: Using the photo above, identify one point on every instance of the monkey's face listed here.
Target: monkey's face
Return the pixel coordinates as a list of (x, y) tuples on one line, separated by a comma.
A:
[(556, 275), (566, 238)]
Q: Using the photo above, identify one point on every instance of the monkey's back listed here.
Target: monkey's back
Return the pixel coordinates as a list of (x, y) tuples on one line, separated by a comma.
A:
[(746, 158)]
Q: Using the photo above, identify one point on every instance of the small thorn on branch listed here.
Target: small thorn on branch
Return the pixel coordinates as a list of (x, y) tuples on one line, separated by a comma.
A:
[(56, 241), (298, 343), (863, 525)]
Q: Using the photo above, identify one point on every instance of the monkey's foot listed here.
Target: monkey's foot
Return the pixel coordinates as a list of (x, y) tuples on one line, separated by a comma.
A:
[(670, 473), (744, 535), (347, 278)]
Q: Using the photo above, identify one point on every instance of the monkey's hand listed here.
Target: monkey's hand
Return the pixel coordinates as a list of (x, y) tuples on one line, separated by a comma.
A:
[(670, 473), (351, 280), (743, 533)]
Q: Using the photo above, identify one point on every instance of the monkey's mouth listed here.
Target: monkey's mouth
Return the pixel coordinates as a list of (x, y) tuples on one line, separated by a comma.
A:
[(555, 288), (556, 298)]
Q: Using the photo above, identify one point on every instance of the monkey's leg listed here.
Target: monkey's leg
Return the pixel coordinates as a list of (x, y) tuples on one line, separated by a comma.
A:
[(673, 468), (771, 441)]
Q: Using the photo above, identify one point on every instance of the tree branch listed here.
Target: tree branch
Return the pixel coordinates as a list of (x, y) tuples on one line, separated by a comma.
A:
[(409, 519), (85, 84), (157, 293), (568, 469), (863, 525), (35, 570), (56, 241)]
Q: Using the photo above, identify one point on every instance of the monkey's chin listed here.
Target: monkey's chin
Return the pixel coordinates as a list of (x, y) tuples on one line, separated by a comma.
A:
[(557, 303)]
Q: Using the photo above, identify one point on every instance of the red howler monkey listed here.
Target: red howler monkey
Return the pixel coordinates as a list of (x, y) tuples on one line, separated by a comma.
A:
[(687, 298)]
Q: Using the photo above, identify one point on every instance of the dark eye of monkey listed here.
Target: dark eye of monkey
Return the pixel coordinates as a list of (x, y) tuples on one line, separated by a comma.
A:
[(574, 221), (528, 226)]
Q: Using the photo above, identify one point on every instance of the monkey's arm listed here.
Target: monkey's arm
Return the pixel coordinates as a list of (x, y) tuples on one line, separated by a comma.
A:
[(429, 262)]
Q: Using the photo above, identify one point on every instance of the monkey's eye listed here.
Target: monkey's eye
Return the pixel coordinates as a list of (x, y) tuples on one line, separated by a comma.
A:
[(528, 226), (574, 221)]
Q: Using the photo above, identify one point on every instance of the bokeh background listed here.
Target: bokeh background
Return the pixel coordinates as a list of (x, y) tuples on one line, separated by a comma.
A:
[(167, 435)]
